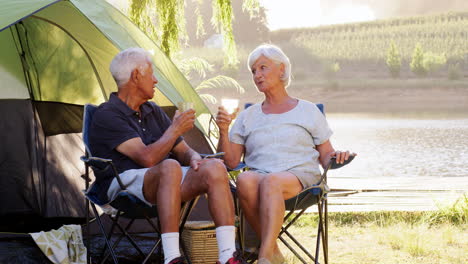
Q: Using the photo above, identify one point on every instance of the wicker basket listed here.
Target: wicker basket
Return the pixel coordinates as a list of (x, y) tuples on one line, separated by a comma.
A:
[(200, 241)]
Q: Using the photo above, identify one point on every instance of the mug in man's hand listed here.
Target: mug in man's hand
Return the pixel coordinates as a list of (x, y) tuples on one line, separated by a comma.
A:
[(184, 106)]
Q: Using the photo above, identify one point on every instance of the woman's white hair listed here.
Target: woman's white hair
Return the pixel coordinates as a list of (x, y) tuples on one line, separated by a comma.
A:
[(275, 54), (126, 61)]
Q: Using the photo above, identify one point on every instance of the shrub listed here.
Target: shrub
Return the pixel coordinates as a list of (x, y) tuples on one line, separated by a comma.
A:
[(433, 62), (417, 61), (454, 71), (393, 60), (331, 69)]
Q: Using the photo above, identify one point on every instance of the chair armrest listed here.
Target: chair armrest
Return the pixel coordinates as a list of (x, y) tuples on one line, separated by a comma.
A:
[(102, 165), (239, 167), (96, 162), (214, 155)]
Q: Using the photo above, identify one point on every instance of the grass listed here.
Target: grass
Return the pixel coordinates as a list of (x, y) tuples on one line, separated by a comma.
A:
[(391, 237)]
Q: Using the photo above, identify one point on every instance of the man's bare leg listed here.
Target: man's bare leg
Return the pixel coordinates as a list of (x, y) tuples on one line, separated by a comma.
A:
[(162, 183)]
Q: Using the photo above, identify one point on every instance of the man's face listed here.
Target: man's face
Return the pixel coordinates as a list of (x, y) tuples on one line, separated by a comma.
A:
[(147, 82)]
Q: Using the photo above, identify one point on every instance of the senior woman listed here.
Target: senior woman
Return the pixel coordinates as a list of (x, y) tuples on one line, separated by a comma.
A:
[(283, 140)]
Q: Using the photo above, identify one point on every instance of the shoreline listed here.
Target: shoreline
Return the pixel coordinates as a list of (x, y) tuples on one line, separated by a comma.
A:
[(362, 97)]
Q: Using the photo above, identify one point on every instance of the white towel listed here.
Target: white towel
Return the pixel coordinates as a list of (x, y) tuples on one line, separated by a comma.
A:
[(62, 246)]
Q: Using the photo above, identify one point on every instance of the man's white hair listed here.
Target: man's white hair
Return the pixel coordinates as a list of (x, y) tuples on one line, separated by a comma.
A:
[(275, 54), (126, 61)]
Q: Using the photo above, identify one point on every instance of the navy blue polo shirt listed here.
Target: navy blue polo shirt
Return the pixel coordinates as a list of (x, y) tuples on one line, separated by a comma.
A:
[(114, 122)]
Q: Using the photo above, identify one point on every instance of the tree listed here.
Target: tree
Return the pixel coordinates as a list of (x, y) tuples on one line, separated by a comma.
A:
[(248, 25), (393, 60), (417, 61), (171, 26)]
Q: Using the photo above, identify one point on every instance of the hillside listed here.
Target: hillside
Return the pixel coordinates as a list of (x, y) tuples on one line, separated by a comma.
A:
[(363, 47)]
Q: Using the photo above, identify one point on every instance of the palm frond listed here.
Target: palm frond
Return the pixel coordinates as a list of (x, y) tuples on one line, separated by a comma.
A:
[(195, 64), (220, 81), (208, 98)]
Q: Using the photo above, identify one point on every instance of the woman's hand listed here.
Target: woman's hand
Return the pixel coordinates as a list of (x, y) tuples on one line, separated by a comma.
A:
[(224, 119), (342, 156)]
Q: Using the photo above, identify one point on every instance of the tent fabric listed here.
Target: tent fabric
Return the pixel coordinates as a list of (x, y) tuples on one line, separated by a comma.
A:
[(59, 118), (54, 58), (13, 11), (19, 176), (11, 72), (39, 174)]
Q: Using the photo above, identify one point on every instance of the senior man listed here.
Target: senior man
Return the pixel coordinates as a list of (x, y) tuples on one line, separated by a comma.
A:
[(140, 138)]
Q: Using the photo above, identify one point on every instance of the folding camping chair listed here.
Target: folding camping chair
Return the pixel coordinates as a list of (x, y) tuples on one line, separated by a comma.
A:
[(125, 206), (316, 194)]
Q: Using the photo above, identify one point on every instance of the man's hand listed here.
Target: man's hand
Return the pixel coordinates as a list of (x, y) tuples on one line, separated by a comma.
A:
[(183, 122), (196, 163), (224, 119)]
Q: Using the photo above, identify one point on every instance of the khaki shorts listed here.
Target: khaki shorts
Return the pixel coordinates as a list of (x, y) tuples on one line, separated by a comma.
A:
[(133, 182), (307, 179)]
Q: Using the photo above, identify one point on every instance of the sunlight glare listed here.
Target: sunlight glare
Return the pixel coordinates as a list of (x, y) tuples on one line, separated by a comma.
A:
[(348, 14), (310, 13), (292, 13)]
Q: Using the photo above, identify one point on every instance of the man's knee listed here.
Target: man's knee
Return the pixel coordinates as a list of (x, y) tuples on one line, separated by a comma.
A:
[(214, 171), (169, 164), (168, 169)]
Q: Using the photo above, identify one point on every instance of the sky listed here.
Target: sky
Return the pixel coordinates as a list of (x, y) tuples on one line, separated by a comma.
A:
[(309, 13)]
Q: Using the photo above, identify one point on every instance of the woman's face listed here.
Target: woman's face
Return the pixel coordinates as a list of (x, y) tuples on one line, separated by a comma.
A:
[(267, 74)]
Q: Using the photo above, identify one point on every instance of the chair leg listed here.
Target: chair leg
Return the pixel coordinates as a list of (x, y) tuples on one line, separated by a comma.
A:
[(106, 253), (108, 236), (323, 230), (129, 237), (284, 230), (98, 218), (319, 233), (292, 250), (125, 233), (148, 256), (88, 235), (298, 244), (240, 233), (157, 244), (325, 242)]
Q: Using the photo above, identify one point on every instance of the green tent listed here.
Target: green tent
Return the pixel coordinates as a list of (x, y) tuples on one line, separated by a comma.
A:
[(54, 58)]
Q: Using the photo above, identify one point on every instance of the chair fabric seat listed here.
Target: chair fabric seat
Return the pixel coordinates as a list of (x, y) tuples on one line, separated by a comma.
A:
[(304, 200), (133, 207), (129, 205)]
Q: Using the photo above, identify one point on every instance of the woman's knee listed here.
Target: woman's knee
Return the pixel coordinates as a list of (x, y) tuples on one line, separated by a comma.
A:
[(247, 182), (271, 182)]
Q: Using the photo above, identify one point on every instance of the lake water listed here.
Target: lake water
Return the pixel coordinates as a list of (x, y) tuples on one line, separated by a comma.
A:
[(402, 164)]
